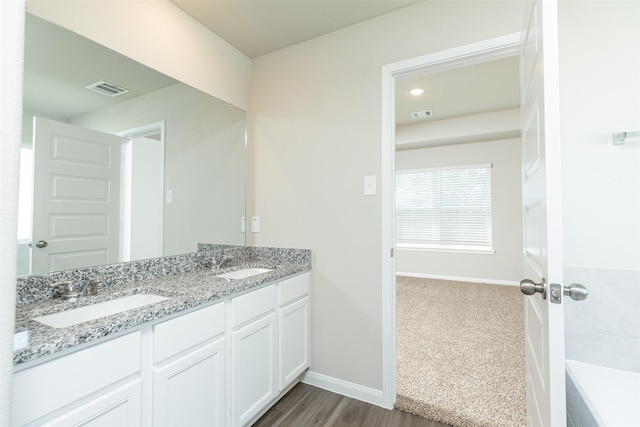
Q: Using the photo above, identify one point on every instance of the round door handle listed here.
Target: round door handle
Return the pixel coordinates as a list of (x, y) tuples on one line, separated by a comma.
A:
[(529, 287), (576, 291), (41, 244)]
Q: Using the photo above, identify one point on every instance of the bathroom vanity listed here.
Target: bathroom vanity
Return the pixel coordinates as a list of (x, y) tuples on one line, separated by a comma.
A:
[(214, 351)]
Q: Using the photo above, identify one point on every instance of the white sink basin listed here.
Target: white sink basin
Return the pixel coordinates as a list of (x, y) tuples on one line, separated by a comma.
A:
[(95, 311), (244, 273)]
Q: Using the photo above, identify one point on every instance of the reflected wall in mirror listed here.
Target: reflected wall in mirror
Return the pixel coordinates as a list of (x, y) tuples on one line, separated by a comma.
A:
[(179, 163)]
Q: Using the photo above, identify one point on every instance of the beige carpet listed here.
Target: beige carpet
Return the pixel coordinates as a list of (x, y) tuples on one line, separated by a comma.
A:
[(460, 352)]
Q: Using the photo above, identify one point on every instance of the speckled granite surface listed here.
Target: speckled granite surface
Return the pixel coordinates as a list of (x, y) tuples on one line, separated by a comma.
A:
[(187, 280)]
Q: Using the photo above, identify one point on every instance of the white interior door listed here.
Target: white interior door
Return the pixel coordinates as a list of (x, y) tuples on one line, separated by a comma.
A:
[(544, 321), (76, 197)]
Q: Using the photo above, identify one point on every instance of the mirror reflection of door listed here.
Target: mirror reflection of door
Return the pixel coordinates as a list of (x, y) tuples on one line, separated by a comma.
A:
[(76, 197), (99, 200)]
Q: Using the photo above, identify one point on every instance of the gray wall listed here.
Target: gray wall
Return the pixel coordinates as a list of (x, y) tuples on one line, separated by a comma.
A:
[(316, 131)]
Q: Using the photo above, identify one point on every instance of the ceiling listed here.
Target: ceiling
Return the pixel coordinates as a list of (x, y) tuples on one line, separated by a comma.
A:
[(475, 89), (256, 28)]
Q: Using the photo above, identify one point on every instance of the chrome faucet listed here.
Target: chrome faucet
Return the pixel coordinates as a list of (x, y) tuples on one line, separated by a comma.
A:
[(68, 291), (94, 283)]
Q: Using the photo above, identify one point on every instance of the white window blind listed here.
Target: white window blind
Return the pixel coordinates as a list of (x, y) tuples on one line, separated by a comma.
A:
[(444, 208)]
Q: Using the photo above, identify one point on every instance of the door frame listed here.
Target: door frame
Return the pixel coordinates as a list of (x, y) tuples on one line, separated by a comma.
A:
[(474, 53), (127, 136)]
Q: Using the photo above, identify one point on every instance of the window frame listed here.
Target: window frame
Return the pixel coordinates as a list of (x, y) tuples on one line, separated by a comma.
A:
[(438, 246)]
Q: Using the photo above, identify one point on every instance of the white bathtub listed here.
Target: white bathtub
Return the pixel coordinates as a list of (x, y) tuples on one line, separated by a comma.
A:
[(599, 396)]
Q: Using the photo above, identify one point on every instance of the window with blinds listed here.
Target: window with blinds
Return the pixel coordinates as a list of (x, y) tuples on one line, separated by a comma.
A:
[(444, 208)]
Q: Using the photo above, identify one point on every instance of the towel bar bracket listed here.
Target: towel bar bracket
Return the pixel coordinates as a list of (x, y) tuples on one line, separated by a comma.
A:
[(619, 138)]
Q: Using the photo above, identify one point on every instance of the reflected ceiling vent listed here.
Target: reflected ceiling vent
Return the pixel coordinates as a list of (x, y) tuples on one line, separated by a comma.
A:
[(107, 88), (421, 114)]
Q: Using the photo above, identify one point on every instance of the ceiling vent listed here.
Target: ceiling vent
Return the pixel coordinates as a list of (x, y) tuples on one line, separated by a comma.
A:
[(107, 88), (421, 114)]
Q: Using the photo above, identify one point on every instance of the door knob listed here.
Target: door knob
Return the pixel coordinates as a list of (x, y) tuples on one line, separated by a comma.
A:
[(41, 244), (529, 287), (576, 292)]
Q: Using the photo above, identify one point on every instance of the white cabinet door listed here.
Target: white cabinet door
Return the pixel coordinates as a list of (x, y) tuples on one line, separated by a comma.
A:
[(44, 390), (120, 407), (253, 367), (190, 391), (294, 341)]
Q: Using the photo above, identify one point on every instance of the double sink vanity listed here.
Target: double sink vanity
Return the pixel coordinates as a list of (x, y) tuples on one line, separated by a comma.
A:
[(213, 337), (171, 341)]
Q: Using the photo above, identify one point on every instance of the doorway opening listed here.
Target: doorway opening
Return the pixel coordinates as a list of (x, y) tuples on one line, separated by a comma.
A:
[(477, 53), (142, 192)]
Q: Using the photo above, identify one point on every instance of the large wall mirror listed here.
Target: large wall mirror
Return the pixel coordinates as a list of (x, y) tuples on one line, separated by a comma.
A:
[(109, 177)]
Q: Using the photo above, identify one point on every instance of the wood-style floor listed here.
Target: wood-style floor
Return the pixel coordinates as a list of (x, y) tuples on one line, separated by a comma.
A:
[(306, 405)]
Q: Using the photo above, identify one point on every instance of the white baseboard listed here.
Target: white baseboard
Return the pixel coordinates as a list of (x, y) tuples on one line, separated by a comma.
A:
[(345, 388), (460, 279)]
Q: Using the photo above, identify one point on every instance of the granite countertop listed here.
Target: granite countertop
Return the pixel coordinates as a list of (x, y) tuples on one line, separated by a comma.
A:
[(184, 291)]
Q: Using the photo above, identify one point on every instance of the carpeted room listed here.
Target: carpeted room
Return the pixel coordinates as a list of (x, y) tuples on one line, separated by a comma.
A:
[(459, 320)]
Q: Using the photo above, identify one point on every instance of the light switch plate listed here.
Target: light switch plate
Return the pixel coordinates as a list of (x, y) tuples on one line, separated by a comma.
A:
[(243, 224), (370, 185), (255, 224), (169, 196)]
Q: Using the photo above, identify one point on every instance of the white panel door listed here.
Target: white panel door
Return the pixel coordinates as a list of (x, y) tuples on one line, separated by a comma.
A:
[(76, 197), (544, 321), (253, 369)]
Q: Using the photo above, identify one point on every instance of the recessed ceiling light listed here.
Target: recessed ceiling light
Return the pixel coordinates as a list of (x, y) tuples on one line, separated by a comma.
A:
[(416, 91)]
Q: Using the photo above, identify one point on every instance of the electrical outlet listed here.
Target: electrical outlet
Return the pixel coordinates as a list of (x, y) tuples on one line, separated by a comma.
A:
[(255, 224)]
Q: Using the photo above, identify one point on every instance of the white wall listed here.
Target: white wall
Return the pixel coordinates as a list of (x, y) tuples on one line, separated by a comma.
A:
[(600, 93), (11, 61), (316, 131), (160, 35), (505, 265)]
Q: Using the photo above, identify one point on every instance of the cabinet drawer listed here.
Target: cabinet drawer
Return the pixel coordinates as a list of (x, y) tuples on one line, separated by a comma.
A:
[(252, 305), (120, 407), (292, 289), (179, 334), (44, 388)]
